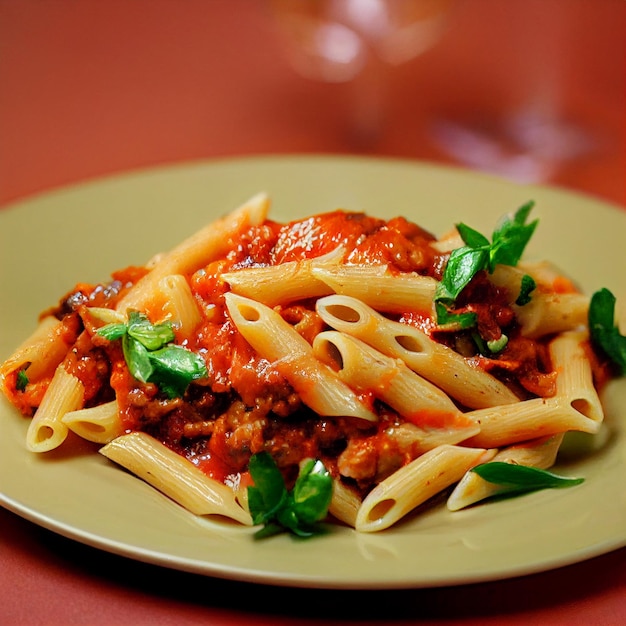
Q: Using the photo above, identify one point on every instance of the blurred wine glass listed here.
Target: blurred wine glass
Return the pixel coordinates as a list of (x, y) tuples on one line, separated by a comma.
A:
[(356, 42), (529, 136)]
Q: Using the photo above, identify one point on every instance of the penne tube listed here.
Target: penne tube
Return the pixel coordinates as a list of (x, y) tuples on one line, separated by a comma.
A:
[(549, 313), (321, 389), (99, 424), (278, 342), (344, 504), (179, 306), (379, 288), (538, 417), (472, 488), (204, 246), (284, 283), (108, 316), (175, 476), (264, 329), (416, 399), (471, 386), (414, 483), (574, 381), (40, 353), (46, 430)]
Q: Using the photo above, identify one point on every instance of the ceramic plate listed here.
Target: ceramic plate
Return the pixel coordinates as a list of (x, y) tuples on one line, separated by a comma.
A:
[(50, 242)]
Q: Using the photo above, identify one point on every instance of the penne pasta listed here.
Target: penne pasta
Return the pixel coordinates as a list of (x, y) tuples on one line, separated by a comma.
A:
[(377, 287), (344, 504), (413, 484), (179, 306), (442, 366), (538, 417), (40, 354), (549, 313), (292, 355), (472, 488), (46, 430), (417, 400), (277, 284), (574, 380), (174, 476), (99, 424), (284, 283)]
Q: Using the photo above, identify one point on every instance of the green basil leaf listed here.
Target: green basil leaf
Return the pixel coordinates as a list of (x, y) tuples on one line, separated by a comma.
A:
[(472, 237), (112, 332), (459, 321), (462, 266), (312, 492), (174, 368), (508, 243), (604, 333), (511, 237), (137, 358), (269, 491), (527, 286), (497, 345), (22, 380), (152, 336), (522, 478), (298, 511)]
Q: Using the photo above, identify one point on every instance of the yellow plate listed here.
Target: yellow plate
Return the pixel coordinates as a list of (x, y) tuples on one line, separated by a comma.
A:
[(50, 242)]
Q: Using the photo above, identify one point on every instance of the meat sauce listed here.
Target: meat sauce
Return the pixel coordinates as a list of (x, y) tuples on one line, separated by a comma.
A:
[(244, 405)]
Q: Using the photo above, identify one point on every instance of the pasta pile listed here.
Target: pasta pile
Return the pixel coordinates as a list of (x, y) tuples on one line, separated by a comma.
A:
[(312, 339)]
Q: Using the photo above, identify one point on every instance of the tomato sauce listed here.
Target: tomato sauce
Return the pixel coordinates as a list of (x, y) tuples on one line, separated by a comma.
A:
[(245, 405)]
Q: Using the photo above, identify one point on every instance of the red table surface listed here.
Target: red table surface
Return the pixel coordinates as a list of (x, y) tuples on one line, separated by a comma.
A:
[(94, 87)]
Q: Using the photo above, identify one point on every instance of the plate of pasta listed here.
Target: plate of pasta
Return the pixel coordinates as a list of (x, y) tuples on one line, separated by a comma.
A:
[(328, 372)]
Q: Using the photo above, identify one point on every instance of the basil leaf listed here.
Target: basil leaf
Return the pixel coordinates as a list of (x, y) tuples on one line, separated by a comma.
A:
[(269, 491), (152, 336), (460, 321), (527, 286), (522, 478), (462, 266), (509, 240), (150, 356), (137, 358), (174, 367), (112, 332), (497, 345), (511, 237), (312, 492), (603, 330), (472, 237), (21, 381), (298, 511)]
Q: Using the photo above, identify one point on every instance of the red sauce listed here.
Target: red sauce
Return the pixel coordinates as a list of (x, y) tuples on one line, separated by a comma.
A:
[(245, 405)]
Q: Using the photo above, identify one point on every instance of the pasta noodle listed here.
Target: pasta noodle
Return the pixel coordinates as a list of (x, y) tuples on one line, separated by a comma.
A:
[(442, 366), (540, 453), (276, 340), (415, 483), (173, 475), (47, 430), (325, 339), (99, 424), (39, 354)]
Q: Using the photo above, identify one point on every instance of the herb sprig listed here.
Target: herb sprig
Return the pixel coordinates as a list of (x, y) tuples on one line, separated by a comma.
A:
[(152, 358), (516, 479), (278, 509), (603, 330), (508, 241)]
